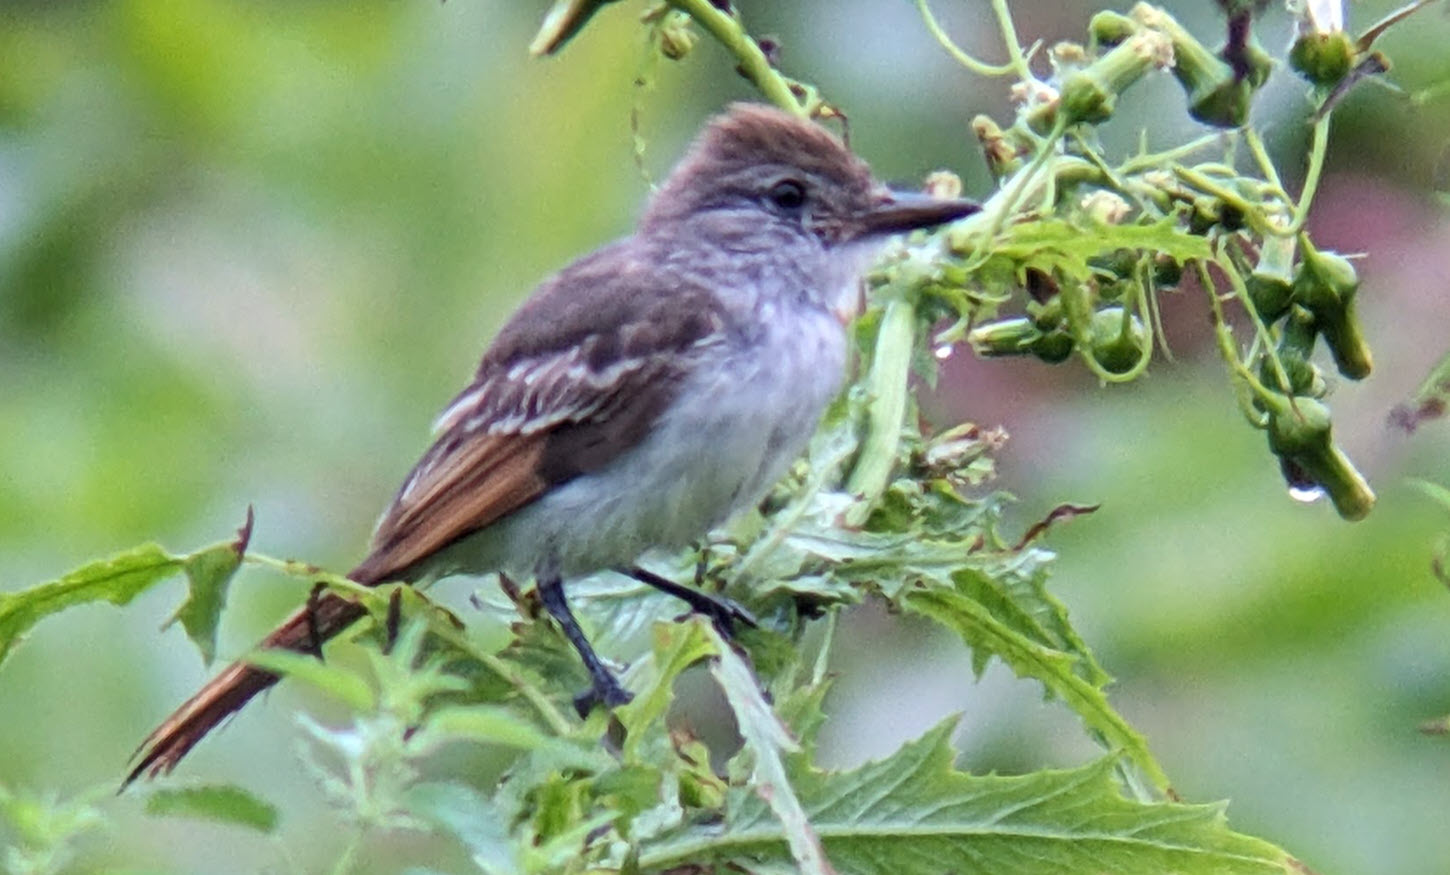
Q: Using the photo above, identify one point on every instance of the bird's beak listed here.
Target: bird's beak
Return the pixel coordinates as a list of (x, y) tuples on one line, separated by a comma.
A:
[(901, 211)]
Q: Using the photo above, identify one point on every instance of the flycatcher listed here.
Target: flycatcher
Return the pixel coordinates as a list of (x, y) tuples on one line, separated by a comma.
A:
[(638, 399)]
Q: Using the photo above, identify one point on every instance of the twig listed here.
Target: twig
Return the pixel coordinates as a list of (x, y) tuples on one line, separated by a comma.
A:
[(727, 30)]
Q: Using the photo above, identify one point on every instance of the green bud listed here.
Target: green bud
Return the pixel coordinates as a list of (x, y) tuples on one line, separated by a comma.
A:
[(1110, 28), (1271, 283), (1053, 346), (1089, 95), (1046, 315), (1326, 285), (1323, 58), (1020, 336), (1004, 337), (1296, 346), (1216, 96), (1300, 434), (1298, 427), (1116, 349)]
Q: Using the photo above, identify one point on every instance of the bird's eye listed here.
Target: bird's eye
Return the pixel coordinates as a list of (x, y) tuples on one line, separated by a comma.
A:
[(788, 194)]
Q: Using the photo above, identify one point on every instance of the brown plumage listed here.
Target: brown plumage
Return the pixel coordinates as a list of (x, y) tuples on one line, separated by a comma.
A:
[(588, 367)]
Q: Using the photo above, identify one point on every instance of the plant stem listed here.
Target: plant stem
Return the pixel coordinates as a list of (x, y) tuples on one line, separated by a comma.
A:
[(1016, 59), (727, 30), (887, 384), (981, 68)]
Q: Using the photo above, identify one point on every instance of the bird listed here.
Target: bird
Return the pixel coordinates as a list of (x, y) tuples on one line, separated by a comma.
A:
[(637, 399)]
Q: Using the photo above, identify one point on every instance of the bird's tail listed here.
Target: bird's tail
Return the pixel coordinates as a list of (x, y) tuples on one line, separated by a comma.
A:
[(236, 685)]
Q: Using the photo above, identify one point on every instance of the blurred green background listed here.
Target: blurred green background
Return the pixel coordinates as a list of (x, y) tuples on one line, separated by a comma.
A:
[(249, 249)]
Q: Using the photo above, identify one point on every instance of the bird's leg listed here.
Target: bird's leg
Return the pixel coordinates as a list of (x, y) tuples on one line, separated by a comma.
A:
[(722, 612), (394, 619), (314, 635), (605, 689)]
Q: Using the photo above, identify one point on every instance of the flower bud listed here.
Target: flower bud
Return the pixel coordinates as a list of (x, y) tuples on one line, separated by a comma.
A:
[(1323, 58), (1110, 28), (1296, 346), (1021, 336), (1117, 346), (1090, 94), (1216, 95), (1271, 283), (1300, 434), (1326, 285)]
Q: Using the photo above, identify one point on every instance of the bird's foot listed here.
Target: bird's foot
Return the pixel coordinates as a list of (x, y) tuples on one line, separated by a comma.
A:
[(605, 691), (723, 613)]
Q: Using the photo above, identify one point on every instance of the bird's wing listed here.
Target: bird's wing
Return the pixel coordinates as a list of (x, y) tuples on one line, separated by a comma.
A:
[(546, 405)]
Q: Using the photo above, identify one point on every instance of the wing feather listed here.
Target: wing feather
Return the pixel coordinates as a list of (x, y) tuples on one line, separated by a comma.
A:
[(546, 406)]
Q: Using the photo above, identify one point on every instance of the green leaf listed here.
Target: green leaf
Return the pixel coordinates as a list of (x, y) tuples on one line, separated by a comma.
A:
[(1063, 247), (117, 580), (914, 813), (767, 740), (475, 821), (222, 803), (209, 572), (1057, 670), (484, 724), (43, 822), (326, 676), (677, 646)]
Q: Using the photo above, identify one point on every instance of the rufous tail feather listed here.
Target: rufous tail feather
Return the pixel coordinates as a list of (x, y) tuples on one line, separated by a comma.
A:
[(225, 694)]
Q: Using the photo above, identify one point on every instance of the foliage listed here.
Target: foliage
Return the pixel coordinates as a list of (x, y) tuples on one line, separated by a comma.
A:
[(880, 510)]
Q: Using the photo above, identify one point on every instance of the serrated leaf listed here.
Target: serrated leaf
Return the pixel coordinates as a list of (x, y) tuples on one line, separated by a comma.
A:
[(677, 646), (768, 741), (475, 821), (1059, 246), (914, 814), (209, 572), (222, 803), (1056, 669), (116, 579), (329, 678)]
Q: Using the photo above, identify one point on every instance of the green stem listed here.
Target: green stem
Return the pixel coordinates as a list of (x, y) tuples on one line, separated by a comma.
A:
[(1147, 162), (1317, 150), (887, 385), (1311, 177), (557, 723), (1246, 385), (981, 68), (305, 571), (1015, 58), (1266, 165), (1261, 330), (1003, 203), (727, 30), (1251, 212)]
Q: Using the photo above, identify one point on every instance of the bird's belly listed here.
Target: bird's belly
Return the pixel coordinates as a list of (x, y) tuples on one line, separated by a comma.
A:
[(734, 429)]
